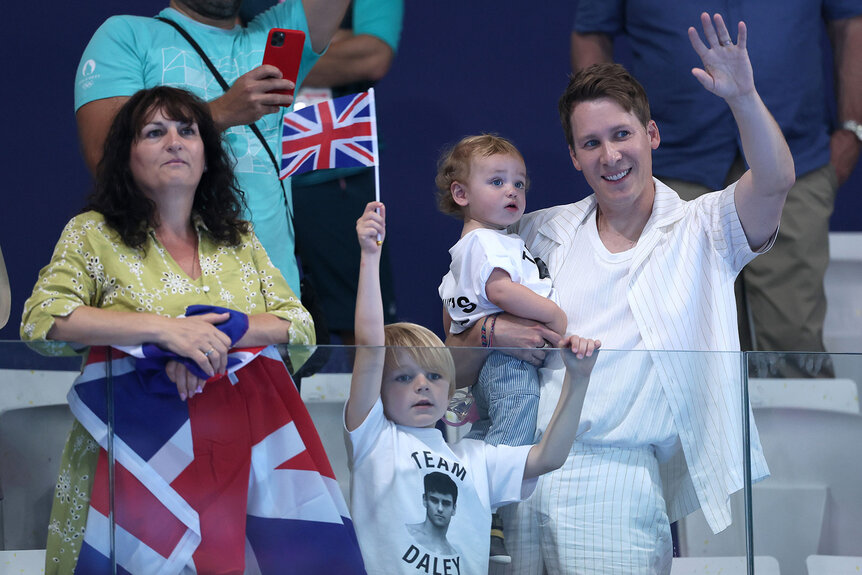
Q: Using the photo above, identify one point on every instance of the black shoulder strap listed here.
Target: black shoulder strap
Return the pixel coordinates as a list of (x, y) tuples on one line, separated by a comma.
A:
[(224, 86)]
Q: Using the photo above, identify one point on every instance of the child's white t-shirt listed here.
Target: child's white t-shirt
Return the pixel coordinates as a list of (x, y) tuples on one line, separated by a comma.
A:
[(474, 257), (388, 464)]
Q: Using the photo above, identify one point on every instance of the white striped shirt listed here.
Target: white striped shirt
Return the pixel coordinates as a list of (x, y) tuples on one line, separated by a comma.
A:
[(679, 288), (625, 405)]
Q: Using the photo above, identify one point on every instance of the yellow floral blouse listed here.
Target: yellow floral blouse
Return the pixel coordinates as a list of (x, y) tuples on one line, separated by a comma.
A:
[(92, 266)]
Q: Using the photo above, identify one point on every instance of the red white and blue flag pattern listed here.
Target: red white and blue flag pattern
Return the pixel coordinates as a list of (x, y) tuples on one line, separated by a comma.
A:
[(337, 133), (233, 481)]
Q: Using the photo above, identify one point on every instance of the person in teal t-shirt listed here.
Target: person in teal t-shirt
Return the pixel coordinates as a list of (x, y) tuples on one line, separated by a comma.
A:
[(128, 53)]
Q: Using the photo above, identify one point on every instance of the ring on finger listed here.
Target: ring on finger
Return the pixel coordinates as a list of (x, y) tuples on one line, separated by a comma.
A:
[(210, 352)]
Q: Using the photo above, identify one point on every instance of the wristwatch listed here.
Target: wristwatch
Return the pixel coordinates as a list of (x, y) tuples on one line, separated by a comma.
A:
[(854, 127)]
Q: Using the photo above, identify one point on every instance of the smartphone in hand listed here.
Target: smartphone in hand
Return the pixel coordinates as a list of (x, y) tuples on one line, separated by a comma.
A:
[(284, 51)]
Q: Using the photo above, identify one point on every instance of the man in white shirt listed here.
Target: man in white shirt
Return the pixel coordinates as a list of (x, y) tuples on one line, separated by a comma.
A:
[(660, 431)]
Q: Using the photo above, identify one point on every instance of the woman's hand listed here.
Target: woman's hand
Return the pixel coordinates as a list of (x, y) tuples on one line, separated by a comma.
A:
[(197, 339), (188, 384)]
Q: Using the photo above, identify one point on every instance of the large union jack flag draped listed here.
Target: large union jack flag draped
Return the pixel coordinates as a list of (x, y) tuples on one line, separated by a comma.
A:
[(339, 133), (233, 481)]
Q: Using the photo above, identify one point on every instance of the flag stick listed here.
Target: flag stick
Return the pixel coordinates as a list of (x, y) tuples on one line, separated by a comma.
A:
[(373, 106)]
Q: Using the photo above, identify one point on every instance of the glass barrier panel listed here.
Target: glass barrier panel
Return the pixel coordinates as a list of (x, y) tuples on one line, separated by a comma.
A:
[(34, 423), (645, 413), (622, 383), (808, 513)]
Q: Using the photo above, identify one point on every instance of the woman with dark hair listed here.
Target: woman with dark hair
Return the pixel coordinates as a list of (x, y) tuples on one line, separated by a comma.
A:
[(162, 232), (128, 209)]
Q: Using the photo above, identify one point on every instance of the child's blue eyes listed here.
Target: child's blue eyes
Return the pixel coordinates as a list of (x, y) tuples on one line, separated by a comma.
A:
[(407, 378), (497, 182)]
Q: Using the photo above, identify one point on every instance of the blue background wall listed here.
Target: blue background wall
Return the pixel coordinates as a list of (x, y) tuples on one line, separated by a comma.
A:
[(464, 67)]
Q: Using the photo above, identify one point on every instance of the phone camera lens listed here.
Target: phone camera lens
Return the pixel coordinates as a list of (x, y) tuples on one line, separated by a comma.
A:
[(278, 39)]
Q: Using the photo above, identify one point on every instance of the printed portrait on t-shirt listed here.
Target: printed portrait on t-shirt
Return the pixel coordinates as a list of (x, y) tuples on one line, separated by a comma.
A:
[(440, 501)]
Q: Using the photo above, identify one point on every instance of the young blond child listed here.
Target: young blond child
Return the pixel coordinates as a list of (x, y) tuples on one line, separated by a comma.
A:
[(405, 522), (482, 180)]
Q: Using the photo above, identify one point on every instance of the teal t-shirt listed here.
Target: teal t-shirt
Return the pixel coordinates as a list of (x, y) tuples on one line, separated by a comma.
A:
[(129, 53)]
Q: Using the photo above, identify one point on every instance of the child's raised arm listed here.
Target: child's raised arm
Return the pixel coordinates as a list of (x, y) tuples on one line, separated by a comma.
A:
[(368, 366), (579, 355)]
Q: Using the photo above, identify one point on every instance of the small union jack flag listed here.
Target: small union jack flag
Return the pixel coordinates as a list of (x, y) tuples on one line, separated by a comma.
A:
[(339, 133)]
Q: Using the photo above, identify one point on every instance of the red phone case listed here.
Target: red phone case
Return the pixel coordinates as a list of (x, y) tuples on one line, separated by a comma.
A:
[(285, 55)]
